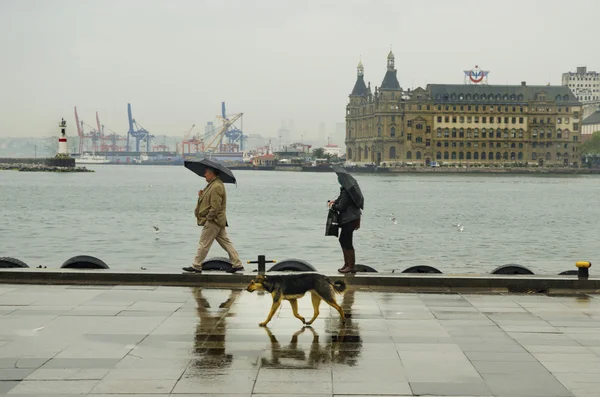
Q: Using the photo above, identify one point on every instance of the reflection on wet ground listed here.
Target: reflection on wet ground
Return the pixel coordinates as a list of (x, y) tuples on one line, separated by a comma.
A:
[(194, 341)]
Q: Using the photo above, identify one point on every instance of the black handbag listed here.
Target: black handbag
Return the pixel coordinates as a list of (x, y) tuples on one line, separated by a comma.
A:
[(332, 226)]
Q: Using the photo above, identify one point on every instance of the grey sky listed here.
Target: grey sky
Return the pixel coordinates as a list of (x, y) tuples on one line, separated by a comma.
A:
[(175, 61)]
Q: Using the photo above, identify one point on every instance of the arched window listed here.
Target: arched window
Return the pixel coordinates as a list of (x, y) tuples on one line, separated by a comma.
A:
[(534, 156), (548, 156), (483, 155), (453, 155), (446, 155), (520, 156), (393, 131), (461, 155), (453, 132), (438, 144), (468, 155), (513, 156), (505, 156), (439, 132), (476, 156), (350, 154), (461, 133), (418, 155), (366, 153), (438, 156), (409, 155), (392, 153)]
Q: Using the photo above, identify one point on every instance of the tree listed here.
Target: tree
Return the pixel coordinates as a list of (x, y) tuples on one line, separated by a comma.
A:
[(318, 153), (592, 146), (590, 150)]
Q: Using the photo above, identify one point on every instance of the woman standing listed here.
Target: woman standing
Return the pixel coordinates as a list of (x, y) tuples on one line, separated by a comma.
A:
[(348, 205)]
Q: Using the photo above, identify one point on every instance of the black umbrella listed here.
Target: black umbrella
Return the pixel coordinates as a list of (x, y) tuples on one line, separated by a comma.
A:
[(349, 183), (198, 167)]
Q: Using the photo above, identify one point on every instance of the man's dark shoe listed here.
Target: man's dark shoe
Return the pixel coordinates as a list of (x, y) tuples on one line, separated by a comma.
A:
[(192, 269), (235, 269)]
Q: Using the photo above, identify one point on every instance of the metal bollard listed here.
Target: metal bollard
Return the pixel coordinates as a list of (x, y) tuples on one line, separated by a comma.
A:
[(261, 263), (583, 269)]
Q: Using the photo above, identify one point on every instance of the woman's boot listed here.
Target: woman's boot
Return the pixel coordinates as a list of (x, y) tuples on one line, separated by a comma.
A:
[(349, 268), (345, 251)]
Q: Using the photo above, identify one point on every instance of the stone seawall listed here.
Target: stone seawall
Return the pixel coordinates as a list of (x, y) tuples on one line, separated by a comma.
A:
[(47, 161)]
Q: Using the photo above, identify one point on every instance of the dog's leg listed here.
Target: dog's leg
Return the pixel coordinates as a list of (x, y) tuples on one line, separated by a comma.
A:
[(294, 304), (274, 307), (337, 307), (316, 301)]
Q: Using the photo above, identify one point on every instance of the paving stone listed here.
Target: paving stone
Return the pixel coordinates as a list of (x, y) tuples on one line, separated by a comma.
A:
[(450, 388), (61, 387)]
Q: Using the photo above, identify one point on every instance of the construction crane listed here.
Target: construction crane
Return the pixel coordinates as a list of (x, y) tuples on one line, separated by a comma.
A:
[(187, 141), (83, 136), (138, 132), (228, 130), (108, 143)]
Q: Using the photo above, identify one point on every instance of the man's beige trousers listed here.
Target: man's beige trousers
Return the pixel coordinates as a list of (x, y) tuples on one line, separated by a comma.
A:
[(211, 232)]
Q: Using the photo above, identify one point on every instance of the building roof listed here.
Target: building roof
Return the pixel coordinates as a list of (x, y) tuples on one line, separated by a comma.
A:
[(515, 94), (360, 88), (390, 81), (593, 118)]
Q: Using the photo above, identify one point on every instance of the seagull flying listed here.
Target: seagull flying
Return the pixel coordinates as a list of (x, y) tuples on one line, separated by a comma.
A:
[(156, 229)]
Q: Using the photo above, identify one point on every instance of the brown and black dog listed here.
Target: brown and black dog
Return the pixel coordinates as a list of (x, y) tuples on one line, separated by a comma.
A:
[(293, 287)]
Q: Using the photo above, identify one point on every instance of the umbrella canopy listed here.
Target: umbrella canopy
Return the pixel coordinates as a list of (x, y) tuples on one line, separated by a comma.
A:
[(349, 183), (198, 167)]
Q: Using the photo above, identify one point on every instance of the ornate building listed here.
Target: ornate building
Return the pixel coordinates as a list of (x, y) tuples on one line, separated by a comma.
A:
[(461, 124)]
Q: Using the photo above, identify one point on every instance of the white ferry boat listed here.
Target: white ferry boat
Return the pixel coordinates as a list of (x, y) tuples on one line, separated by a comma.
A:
[(89, 158)]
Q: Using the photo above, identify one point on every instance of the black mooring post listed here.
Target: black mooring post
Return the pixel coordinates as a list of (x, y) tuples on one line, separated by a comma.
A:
[(262, 261), (583, 269)]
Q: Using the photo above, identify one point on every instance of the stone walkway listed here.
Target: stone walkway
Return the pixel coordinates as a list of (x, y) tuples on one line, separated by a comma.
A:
[(142, 341)]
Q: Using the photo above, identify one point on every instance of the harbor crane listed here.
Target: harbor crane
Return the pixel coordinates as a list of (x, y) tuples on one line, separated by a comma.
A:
[(138, 132), (228, 130)]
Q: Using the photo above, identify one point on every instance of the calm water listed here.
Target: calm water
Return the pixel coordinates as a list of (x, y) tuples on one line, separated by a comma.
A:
[(545, 223)]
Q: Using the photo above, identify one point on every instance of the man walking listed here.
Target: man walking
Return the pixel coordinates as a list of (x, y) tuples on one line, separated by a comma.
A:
[(211, 214)]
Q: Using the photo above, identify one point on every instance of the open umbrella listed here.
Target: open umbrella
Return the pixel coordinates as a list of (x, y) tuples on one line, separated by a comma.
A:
[(198, 167), (349, 183)]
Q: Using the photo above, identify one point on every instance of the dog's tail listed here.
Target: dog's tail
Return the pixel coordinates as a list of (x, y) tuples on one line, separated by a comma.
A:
[(339, 286)]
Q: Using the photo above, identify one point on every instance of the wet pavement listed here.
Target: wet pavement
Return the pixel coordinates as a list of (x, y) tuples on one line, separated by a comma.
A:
[(158, 341)]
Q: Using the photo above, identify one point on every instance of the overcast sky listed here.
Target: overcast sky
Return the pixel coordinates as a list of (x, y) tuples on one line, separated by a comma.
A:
[(175, 61)]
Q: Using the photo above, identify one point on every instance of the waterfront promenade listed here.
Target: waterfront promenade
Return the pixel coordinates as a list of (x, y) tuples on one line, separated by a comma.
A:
[(152, 340)]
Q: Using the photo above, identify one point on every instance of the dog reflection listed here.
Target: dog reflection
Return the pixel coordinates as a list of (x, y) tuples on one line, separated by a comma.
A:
[(211, 331), (343, 347)]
